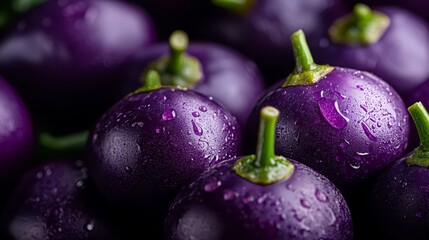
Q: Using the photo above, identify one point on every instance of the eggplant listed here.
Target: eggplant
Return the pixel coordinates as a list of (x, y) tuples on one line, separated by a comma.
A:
[(153, 142), (207, 68), (347, 124), (261, 28), (259, 197), (54, 201), (399, 199), (389, 42), (64, 56)]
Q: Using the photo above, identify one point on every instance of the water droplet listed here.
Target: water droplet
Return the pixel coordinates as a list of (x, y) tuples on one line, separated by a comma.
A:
[(305, 203), (158, 130), (203, 108), (168, 114), (261, 199), (229, 195), (211, 186), (79, 184), (320, 196), (247, 199), (368, 133), (195, 114), (39, 175), (128, 169), (197, 128), (363, 108), (332, 114), (140, 124), (362, 153), (355, 165), (90, 226)]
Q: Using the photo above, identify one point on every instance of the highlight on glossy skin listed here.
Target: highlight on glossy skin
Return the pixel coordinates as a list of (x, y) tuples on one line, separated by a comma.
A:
[(399, 197), (349, 125), (152, 143), (260, 196)]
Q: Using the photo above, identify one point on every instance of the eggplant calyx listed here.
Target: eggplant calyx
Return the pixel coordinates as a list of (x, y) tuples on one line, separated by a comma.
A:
[(238, 6), (420, 156), (178, 68), (306, 71), (362, 27), (265, 167), (151, 81)]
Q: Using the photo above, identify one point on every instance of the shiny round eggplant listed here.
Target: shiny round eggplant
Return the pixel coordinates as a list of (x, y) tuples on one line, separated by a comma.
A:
[(53, 201), (152, 143), (64, 56), (399, 200), (226, 75), (261, 29), (399, 56), (16, 134)]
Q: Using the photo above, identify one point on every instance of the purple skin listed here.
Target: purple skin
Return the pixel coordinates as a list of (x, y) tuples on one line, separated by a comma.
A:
[(66, 54), (16, 134), (149, 145), (348, 126), (228, 77), (53, 201), (399, 57), (263, 34), (223, 205)]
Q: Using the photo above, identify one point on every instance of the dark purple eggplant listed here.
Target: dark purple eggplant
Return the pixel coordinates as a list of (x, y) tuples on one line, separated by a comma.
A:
[(260, 197), (53, 201), (207, 68), (64, 56), (344, 123), (16, 134), (261, 28), (389, 42), (152, 143), (400, 196)]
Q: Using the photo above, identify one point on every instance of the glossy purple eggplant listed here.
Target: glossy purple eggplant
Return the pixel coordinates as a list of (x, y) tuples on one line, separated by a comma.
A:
[(64, 55), (260, 197), (400, 196), (214, 70), (152, 143), (53, 201), (344, 123), (389, 42), (261, 28), (16, 134)]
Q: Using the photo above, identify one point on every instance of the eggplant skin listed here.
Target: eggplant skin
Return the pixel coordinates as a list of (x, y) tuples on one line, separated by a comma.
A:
[(399, 202), (16, 134), (229, 77), (222, 205), (54, 201), (150, 144), (65, 54), (349, 126)]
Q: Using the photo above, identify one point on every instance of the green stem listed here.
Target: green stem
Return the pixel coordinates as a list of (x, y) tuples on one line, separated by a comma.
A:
[(178, 44), (265, 147), (238, 6), (420, 116), (64, 143), (151, 81), (306, 71), (265, 168), (362, 27)]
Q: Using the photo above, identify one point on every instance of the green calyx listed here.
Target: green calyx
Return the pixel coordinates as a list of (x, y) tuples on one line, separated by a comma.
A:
[(151, 81), (362, 27), (265, 167), (63, 143), (306, 71), (178, 69), (237, 6), (420, 156)]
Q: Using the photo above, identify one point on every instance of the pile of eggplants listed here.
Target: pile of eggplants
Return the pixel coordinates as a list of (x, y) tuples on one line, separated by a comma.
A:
[(214, 119)]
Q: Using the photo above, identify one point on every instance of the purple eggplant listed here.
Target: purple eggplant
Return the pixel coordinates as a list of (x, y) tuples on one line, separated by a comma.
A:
[(389, 42), (346, 124), (152, 143), (261, 28), (260, 197), (400, 196), (16, 134), (64, 56), (53, 201), (207, 68)]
